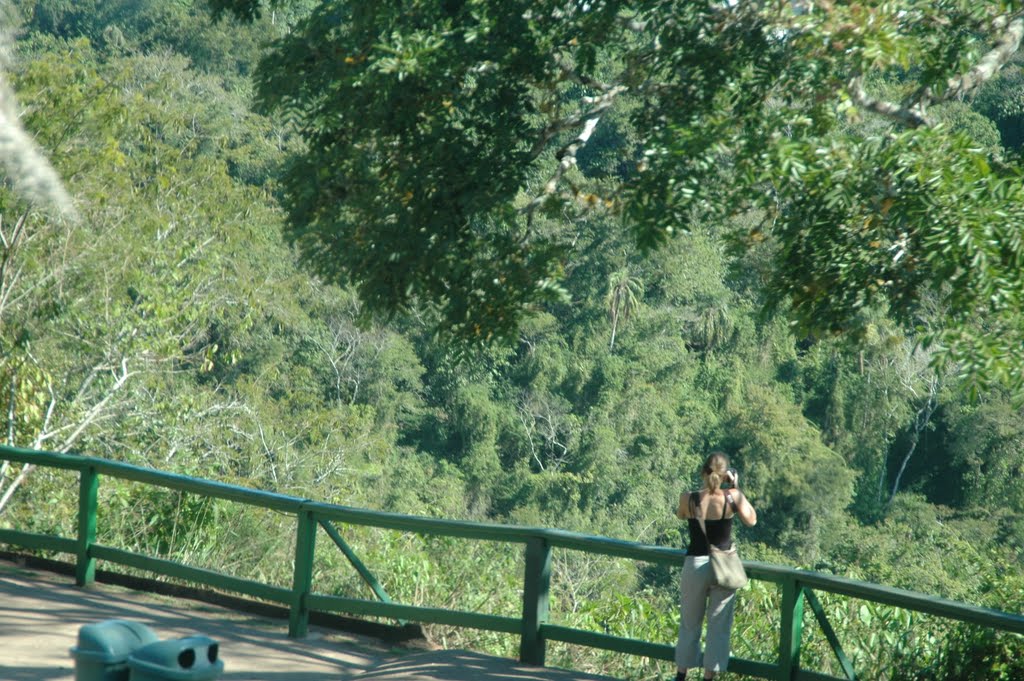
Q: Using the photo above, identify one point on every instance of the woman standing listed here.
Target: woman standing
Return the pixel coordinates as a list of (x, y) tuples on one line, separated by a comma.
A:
[(698, 596)]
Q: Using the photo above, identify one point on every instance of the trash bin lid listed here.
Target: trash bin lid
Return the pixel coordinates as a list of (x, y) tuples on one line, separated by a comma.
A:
[(111, 641), (193, 658)]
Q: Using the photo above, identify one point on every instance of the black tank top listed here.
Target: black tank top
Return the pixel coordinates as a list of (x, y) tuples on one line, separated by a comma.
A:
[(719, 531)]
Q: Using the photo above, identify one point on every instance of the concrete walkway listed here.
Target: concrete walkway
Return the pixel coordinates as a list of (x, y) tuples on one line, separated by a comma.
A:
[(40, 614)]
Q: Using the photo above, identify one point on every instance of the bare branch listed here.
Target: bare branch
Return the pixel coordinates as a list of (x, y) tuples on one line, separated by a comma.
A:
[(49, 407), (596, 106), (921, 420), (911, 112), (91, 415), (567, 155), (566, 159), (11, 398), (529, 425), (7, 279), (15, 484), (270, 454), (989, 65), (911, 116)]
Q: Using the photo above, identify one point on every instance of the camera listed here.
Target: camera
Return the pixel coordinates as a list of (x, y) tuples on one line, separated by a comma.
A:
[(731, 478)]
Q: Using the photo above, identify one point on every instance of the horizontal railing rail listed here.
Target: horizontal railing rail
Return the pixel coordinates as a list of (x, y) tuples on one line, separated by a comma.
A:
[(533, 626)]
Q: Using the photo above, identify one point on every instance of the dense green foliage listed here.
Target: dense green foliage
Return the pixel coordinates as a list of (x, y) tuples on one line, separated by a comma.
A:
[(438, 132), (174, 325)]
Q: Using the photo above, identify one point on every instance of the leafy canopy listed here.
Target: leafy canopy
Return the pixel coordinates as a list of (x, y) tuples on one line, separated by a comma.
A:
[(437, 132)]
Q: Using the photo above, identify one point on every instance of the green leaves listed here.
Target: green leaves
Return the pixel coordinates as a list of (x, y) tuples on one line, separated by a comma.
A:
[(443, 170), (436, 132), (409, 205)]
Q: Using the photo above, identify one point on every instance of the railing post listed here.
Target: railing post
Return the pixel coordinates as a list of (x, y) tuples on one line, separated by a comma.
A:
[(791, 634), (88, 488), (536, 588), (302, 584)]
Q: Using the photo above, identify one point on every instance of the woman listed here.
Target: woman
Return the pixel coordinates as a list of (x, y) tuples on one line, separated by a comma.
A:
[(718, 508)]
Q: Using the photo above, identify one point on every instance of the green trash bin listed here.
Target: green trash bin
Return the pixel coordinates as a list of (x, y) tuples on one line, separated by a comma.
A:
[(193, 658), (104, 647)]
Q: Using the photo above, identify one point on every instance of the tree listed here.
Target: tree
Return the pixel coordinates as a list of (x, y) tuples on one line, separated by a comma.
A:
[(99, 317), (987, 443), (437, 131), (801, 486), (622, 299), (921, 421), (150, 26), (51, 403)]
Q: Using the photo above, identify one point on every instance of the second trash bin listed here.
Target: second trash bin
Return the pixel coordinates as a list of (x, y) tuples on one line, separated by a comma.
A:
[(194, 658), (103, 649)]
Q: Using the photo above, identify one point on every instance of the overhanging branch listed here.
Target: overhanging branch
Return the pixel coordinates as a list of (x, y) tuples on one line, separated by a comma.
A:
[(911, 112), (989, 65), (566, 159), (911, 116), (567, 155)]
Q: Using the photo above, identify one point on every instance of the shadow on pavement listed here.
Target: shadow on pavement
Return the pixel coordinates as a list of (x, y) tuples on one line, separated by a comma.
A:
[(461, 665)]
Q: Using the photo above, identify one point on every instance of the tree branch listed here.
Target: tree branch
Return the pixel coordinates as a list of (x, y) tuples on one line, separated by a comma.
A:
[(9, 492), (11, 397), (911, 112), (921, 421), (567, 155), (597, 106), (911, 116), (10, 247), (90, 416), (989, 65)]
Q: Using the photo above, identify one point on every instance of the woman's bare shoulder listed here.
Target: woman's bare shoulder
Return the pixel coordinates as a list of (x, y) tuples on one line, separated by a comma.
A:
[(686, 502)]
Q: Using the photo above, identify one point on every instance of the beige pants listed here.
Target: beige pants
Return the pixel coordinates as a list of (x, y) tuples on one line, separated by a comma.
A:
[(697, 597)]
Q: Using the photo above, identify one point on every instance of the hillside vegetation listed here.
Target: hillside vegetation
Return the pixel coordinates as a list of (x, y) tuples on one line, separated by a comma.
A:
[(185, 321)]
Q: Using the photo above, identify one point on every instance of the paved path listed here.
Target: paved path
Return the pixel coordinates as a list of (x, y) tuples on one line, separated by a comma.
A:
[(40, 614)]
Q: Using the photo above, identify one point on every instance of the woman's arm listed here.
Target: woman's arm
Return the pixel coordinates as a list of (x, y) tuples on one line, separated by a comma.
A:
[(741, 506), (744, 509)]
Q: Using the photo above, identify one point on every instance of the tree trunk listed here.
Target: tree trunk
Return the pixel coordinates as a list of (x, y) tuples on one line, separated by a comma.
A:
[(921, 421), (615, 321)]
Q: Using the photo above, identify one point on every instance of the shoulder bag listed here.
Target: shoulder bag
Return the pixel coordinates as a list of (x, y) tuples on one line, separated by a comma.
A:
[(726, 568)]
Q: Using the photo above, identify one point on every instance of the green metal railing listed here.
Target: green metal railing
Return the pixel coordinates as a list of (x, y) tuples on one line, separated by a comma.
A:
[(533, 627)]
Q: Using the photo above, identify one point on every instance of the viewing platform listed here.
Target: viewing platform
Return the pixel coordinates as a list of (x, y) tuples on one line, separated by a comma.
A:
[(43, 611)]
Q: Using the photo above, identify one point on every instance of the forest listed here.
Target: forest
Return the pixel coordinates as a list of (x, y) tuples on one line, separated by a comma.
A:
[(232, 289)]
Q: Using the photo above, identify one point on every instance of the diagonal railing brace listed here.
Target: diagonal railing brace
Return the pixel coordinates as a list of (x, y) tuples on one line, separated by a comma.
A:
[(830, 634), (363, 571)]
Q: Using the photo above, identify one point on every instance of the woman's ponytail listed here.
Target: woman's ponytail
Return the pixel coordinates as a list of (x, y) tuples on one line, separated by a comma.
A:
[(715, 470)]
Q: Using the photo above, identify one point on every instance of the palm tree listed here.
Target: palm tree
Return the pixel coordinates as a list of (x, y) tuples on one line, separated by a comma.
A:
[(713, 326), (623, 298)]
